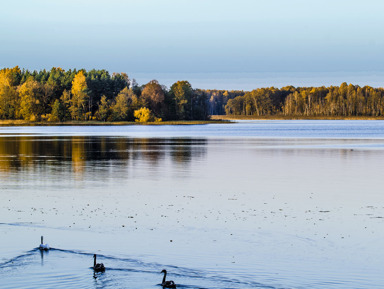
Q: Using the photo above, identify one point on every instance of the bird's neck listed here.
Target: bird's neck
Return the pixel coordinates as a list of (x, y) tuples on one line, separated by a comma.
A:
[(94, 261), (165, 275)]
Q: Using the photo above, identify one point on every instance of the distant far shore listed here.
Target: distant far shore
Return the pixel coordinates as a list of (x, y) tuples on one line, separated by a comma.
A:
[(214, 119), (284, 117), (95, 123)]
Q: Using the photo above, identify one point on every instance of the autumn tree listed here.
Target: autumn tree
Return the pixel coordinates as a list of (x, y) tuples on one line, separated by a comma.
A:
[(104, 110), (58, 112), (31, 107), (143, 114), (121, 108), (65, 100), (153, 95), (181, 92), (80, 97), (9, 78)]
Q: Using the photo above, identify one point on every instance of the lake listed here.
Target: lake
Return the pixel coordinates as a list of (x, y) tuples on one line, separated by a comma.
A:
[(251, 204)]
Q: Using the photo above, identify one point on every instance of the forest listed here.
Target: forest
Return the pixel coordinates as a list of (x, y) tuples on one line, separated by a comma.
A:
[(334, 101), (58, 95)]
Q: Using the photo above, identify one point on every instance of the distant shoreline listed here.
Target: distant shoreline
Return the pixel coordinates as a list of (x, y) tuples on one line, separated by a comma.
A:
[(282, 117), (107, 123), (214, 119)]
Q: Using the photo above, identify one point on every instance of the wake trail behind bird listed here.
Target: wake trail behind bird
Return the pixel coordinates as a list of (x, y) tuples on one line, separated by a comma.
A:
[(118, 266)]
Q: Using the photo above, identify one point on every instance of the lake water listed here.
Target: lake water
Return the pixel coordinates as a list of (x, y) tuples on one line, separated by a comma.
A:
[(252, 204)]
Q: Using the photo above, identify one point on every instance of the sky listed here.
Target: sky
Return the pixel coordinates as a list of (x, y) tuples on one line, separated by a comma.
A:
[(204, 39)]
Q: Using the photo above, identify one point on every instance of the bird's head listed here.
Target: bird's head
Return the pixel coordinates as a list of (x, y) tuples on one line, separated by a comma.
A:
[(164, 271)]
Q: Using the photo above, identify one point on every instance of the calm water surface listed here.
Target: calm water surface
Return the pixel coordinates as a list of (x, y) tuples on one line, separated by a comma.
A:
[(255, 204)]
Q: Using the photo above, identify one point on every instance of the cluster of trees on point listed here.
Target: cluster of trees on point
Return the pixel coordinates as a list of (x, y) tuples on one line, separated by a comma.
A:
[(344, 100), (59, 95)]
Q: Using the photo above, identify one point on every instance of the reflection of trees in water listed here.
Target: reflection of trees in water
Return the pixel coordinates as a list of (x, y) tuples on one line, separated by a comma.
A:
[(79, 152), (182, 152), (149, 150)]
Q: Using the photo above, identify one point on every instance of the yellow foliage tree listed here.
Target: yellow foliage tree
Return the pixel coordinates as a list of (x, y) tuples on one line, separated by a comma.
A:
[(121, 107), (8, 93), (145, 115), (80, 97), (30, 93)]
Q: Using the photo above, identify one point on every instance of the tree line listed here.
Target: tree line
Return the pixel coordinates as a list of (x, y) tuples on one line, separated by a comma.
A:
[(59, 95), (342, 101)]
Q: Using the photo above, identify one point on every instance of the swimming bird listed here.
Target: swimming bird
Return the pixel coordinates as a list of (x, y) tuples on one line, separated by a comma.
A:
[(43, 246), (97, 267), (167, 284)]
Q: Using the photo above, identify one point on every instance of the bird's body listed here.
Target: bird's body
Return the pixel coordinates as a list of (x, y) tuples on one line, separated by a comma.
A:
[(43, 246), (97, 267), (167, 284)]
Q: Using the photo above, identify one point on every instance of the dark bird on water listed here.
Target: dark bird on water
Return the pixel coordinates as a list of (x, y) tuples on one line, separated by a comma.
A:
[(97, 267), (43, 246), (167, 284)]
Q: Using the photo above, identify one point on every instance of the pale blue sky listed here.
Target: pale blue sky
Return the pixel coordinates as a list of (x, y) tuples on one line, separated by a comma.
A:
[(199, 36)]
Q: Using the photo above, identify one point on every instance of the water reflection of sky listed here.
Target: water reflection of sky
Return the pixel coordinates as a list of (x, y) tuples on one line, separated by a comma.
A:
[(339, 129), (254, 209)]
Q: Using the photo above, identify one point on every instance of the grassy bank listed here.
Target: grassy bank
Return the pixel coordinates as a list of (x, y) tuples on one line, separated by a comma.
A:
[(85, 123), (283, 117)]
